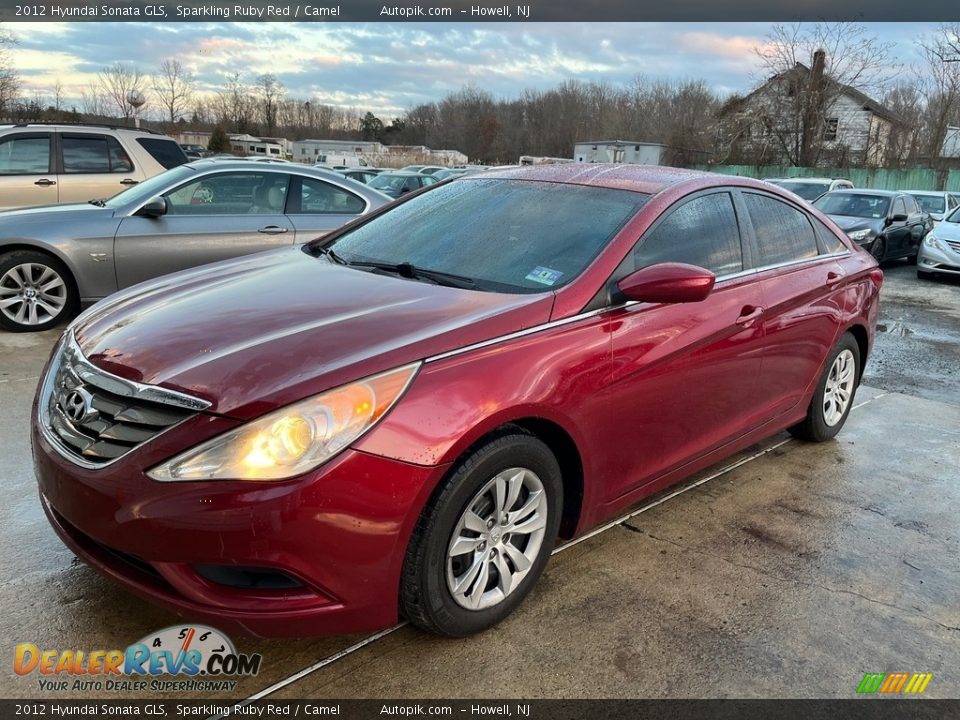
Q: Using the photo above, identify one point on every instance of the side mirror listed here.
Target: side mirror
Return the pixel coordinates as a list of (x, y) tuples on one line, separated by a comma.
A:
[(899, 217), (154, 208), (668, 283)]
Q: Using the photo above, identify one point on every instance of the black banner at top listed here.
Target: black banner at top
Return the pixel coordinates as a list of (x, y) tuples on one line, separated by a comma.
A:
[(477, 10)]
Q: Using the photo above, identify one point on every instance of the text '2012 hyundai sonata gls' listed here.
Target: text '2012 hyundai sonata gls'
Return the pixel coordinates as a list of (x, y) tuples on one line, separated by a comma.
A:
[(403, 418)]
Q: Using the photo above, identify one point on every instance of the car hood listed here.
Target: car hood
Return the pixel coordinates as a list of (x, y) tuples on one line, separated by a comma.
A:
[(849, 223), (947, 231), (56, 213), (259, 332)]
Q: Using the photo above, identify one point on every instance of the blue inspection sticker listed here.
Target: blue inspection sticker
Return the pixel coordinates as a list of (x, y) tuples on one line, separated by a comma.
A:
[(544, 276)]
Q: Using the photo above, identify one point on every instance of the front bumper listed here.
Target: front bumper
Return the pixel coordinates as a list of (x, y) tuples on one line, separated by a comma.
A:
[(931, 259), (338, 534)]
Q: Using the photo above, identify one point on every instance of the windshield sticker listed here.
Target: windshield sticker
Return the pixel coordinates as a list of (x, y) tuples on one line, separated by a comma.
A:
[(544, 276)]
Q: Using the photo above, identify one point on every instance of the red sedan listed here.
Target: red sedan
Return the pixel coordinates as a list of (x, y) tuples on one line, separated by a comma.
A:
[(402, 418)]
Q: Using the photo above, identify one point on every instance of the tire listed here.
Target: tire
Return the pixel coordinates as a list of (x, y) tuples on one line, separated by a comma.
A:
[(36, 291), (879, 249), (432, 574), (912, 259), (834, 395), (924, 275)]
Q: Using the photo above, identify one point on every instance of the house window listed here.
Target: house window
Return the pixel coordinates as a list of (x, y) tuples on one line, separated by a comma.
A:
[(830, 128)]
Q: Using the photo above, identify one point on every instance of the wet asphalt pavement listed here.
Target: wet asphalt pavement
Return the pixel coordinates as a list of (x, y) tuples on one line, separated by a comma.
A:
[(789, 575)]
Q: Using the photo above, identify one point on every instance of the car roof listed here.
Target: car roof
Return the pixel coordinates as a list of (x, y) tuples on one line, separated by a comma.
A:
[(406, 173), (648, 179), (867, 191), (931, 193), (805, 179)]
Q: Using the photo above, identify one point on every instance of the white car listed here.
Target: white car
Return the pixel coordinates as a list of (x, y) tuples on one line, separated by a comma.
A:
[(938, 204), (810, 188), (940, 250)]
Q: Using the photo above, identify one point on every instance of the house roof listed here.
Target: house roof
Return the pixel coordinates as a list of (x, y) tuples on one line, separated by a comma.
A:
[(864, 100), (618, 142)]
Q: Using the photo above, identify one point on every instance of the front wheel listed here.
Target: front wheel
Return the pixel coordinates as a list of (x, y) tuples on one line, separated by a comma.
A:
[(879, 249), (36, 291), (834, 395), (482, 542)]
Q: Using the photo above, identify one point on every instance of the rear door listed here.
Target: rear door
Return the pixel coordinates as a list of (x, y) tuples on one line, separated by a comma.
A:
[(803, 290), (214, 217), (315, 207), (94, 165), (684, 376), (28, 170)]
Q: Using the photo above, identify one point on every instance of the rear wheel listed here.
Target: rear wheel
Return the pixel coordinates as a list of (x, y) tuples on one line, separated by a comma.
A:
[(481, 544), (36, 291), (834, 395)]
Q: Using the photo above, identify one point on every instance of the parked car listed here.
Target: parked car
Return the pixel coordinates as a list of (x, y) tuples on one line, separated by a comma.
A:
[(887, 223), (397, 182), (940, 251), (55, 259), (452, 172), (47, 164), (937, 204), (401, 419), (811, 188), (194, 152), (364, 176), (339, 161)]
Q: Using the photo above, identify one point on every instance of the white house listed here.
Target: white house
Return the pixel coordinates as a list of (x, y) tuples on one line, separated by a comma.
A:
[(250, 145), (334, 152), (619, 151)]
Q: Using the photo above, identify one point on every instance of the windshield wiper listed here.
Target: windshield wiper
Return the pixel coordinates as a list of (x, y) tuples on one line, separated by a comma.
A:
[(98, 203), (328, 251), (408, 270)]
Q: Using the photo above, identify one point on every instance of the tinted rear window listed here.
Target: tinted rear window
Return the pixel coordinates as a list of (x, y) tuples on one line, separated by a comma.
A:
[(783, 233), (165, 152)]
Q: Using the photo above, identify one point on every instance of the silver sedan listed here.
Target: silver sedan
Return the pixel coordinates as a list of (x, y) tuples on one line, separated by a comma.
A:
[(55, 259)]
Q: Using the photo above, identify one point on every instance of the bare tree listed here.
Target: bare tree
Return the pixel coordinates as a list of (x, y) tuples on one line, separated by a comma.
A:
[(807, 68), (93, 101), (173, 87), (940, 85), (9, 79), (271, 92), (118, 83)]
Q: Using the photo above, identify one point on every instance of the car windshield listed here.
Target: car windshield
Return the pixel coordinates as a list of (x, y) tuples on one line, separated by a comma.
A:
[(932, 203), (854, 205), (387, 181), (141, 192), (953, 217), (507, 235), (806, 190)]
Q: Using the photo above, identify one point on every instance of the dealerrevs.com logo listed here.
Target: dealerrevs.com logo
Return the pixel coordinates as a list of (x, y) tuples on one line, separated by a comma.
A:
[(191, 650)]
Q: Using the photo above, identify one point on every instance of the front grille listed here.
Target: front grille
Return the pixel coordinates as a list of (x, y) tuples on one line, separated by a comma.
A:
[(95, 417), (954, 245)]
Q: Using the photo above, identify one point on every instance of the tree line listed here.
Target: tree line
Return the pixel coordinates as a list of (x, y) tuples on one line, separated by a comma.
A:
[(686, 115)]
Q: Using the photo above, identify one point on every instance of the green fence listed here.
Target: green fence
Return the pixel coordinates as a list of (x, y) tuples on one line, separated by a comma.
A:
[(914, 179)]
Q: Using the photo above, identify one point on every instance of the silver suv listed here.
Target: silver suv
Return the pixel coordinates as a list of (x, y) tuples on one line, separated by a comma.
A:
[(49, 164)]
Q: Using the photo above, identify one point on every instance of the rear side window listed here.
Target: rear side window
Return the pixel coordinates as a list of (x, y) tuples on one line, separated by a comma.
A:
[(166, 152), (899, 207), (322, 198), (703, 231), (828, 240), (94, 154), (784, 234), (25, 155)]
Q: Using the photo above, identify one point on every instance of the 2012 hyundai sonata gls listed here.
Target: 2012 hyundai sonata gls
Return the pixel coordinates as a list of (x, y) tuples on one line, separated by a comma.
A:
[(403, 418)]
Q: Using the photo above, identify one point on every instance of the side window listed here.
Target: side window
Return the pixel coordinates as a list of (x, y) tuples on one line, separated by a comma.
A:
[(911, 205), (702, 231), (241, 193), (899, 208), (322, 198), (427, 180), (119, 160), (25, 155), (164, 151), (783, 233), (830, 242), (85, 154)]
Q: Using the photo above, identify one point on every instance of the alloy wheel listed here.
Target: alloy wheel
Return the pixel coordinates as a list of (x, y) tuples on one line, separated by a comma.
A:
[(32, 294), (839, 388), (497, 539)]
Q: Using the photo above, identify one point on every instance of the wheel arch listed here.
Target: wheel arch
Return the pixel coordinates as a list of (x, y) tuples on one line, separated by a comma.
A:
[(859, 333), (21, 245)]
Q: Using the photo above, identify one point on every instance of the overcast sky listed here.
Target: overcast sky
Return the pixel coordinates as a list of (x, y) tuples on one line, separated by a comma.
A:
[(390, 67)]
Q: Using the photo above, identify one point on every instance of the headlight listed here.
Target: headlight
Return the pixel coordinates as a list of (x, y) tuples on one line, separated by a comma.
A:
[(932, 241), (860, 234), (294, 439)]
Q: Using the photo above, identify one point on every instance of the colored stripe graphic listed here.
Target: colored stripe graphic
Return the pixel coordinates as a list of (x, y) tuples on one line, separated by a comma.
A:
[(894, 683)]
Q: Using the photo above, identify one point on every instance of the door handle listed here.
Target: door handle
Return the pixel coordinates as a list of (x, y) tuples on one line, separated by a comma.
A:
[(833, 277), (128, 181), (45, 182), (748, 314), (272, 230)]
